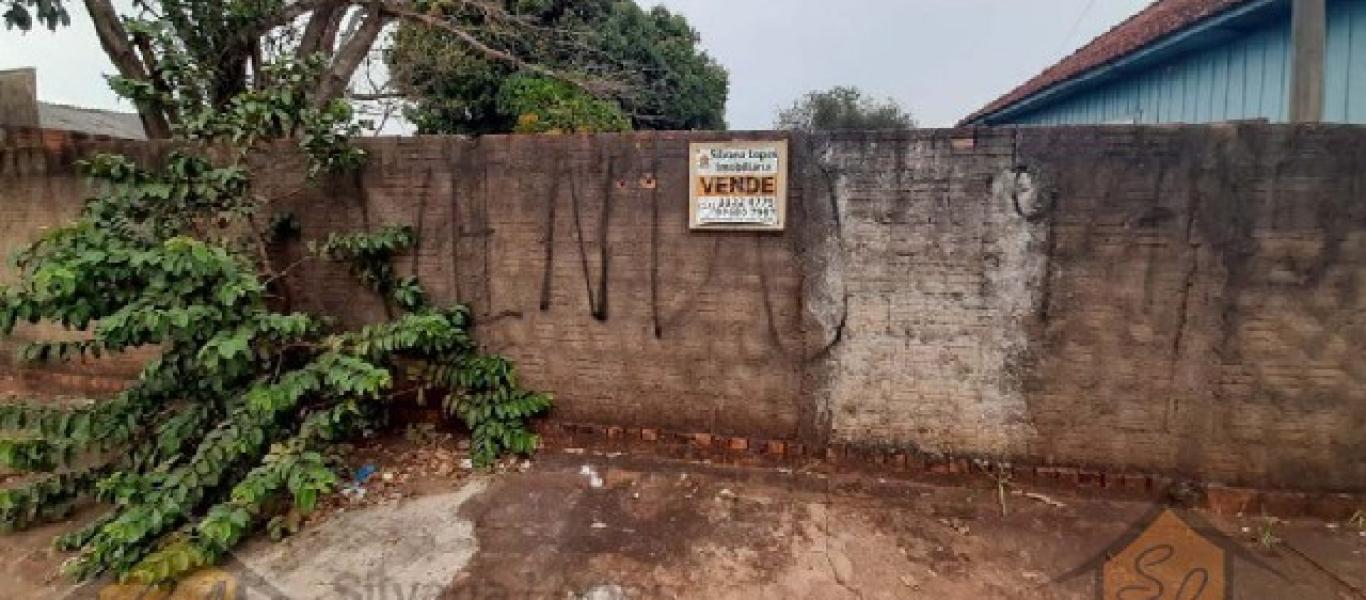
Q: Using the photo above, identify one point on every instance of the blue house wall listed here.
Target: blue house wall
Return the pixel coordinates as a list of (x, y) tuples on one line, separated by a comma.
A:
[(1233, 70), (1344, 69)]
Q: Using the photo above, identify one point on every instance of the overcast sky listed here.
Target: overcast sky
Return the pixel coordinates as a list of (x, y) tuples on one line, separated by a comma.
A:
[(942, 59)]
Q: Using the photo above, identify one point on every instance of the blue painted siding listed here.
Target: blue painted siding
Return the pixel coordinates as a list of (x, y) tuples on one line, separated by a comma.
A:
[(1246, 77), (1344, 69)]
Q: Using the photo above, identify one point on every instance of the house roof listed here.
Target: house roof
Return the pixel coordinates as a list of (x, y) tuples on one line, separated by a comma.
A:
[(1159, 20), (90, 120), (20, 107)]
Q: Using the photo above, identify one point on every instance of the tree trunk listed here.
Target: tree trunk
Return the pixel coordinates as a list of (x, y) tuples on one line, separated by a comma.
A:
[(117, 44), (349, 57), (325, 19)]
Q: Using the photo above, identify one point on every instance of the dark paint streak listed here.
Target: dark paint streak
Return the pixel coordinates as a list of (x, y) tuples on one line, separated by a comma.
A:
[(597, 300), (455, 229), (420, 218), (767, 296), (553, 201), (1183, 307), (654, 240), (486, 230), (600, 313)]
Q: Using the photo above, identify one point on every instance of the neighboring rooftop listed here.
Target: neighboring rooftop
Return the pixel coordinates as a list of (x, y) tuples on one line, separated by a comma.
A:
[(90, 120), (20, 107), (1159, 20)]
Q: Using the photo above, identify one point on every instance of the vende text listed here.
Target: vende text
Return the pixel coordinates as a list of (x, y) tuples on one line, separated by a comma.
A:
[(735, 186)]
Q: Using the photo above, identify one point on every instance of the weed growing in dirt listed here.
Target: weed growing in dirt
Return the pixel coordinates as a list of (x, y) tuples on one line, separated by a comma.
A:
[(1265, 534)]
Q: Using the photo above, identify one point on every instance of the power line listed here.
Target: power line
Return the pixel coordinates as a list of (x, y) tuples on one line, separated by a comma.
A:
[(1076, 25)]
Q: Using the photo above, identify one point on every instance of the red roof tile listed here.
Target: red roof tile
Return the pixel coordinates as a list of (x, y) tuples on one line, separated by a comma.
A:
[(1160, 19)]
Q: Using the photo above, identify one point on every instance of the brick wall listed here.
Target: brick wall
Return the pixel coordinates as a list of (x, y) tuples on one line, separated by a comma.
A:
[(1174, 300), (1204, 304), (39, 188)]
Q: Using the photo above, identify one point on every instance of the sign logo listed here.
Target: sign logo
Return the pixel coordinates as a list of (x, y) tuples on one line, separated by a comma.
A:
[(738, 185), (1167, 561), (1170, 554)]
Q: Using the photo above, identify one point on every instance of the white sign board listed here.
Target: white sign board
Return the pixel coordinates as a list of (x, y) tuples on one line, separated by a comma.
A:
[(738, 185)]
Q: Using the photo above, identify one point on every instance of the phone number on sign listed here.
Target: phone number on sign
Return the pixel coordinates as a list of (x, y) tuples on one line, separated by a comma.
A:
[(760, 210)]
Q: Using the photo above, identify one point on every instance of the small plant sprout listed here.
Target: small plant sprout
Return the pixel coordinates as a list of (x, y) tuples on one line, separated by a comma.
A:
[(1265, 533), (999, 472)]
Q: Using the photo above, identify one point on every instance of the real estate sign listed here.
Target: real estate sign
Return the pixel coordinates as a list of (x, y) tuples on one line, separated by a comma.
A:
[(740, 185)]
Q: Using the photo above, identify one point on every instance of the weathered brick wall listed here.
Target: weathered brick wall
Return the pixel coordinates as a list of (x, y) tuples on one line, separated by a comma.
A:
[(1204, 307), (1183, 300), (939, 276), (574, 254), (39, 188), (1178, 300)]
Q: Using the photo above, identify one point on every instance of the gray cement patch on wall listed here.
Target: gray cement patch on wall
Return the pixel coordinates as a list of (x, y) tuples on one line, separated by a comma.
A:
[(942, 271)]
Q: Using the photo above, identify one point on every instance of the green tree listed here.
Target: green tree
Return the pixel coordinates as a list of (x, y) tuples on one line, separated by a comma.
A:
[(230, 42), (843, 107), (550, 106), (661, 79), (229, 428), (24, 14)]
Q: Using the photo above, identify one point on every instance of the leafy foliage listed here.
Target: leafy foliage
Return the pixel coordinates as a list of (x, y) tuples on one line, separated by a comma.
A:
[(368, 255), (550, 106), (186, 90), (841, 108), (49, 498), (435, 350), (24, 14), (667, 82), (209, 53), (227, 429)]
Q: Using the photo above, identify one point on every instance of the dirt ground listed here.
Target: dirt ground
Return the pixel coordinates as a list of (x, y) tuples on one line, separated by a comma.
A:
[(664, 529), (575, 524)]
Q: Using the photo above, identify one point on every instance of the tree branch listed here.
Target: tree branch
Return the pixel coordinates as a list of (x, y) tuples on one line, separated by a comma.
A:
[(154, 74), (365, 97), (288, 13), (349, 57), (324, 18), (328, 44), (597, 88), (118, 45)]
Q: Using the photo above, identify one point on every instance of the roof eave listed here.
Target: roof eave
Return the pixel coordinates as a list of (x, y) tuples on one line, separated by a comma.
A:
[(1175, 43)]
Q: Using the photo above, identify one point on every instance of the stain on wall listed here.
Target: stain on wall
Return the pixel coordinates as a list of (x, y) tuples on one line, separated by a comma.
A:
[(1205, 302)]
